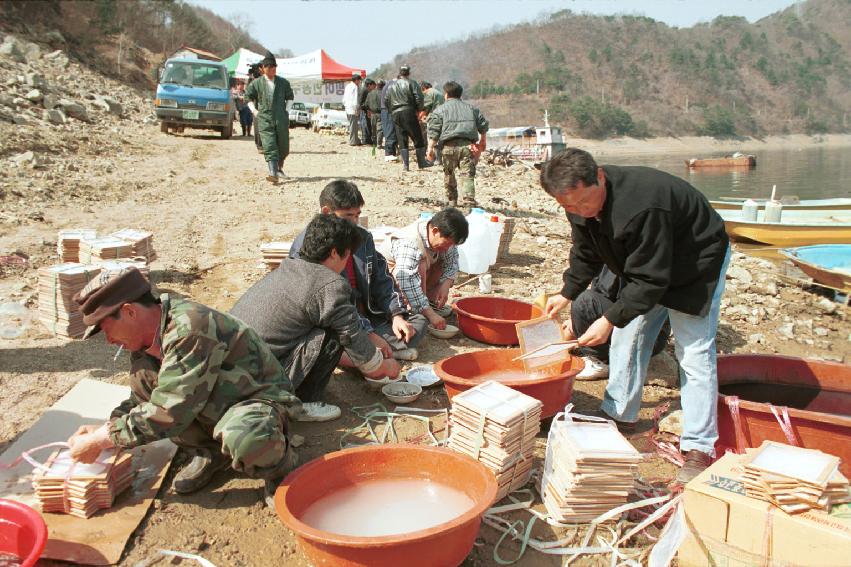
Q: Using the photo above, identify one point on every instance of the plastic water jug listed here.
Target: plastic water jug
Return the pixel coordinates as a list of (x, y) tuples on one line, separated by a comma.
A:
[(750, 208), (773, 211), (474, 254)]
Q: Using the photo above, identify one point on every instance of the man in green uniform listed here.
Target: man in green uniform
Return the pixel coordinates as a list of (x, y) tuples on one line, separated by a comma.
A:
[(199, 377), (432, 98), (461, 128), (268, 98)]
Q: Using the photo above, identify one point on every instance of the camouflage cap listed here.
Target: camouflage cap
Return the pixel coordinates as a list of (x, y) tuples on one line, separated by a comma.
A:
[(107, 292)]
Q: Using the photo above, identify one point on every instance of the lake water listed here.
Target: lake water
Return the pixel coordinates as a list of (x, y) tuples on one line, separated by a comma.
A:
[(810, 173)]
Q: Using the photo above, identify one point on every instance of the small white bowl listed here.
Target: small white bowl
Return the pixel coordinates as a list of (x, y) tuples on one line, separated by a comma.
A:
[(422, 375), (447, 333), (377, 383), (401, 392)]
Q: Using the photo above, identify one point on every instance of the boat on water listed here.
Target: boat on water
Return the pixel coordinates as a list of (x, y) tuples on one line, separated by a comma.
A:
[(790, 203), (735, 160), (761, 395), (795, 228), (828, 264)]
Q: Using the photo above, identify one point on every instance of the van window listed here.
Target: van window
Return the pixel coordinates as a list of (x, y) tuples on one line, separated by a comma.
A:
[(195, 75)]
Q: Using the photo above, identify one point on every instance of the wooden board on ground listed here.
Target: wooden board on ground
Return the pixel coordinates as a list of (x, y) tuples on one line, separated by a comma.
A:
[(100, 539)]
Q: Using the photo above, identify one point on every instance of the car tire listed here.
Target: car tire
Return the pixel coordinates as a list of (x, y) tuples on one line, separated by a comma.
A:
[(227, 131), (164, 127)]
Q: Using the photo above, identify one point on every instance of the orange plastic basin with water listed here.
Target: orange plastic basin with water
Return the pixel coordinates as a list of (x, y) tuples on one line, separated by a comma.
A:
[(817, 395), (23, 533), (464, 371), (445, 544), (491, 320)]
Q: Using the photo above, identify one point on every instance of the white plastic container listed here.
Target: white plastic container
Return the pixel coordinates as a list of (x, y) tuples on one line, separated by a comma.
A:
[(750, 210), (474, 254), (773, 211)]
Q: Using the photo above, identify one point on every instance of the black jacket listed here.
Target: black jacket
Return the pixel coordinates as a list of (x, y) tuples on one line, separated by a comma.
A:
[(656, 232), (377, 289), (404, 93)]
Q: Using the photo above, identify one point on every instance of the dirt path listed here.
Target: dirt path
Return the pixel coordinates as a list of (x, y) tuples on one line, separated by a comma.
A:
[(209, 208)]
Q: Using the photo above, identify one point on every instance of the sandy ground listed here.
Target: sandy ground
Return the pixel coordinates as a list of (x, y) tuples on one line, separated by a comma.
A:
[(210, 209)]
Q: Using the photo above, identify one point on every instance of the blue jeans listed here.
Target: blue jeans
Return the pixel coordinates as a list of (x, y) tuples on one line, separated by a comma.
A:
[(389, 133), (630, 354)]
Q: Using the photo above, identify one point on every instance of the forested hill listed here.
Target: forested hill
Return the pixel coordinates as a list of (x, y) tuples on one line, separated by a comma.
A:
[(126, 39), (604, 76)]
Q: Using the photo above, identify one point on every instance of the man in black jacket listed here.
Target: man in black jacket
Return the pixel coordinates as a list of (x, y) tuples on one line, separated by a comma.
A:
[(661, 236), (381, 311), (404, 100)]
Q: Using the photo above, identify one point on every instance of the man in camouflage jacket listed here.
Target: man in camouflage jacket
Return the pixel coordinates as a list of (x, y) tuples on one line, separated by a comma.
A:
[(197, 376)]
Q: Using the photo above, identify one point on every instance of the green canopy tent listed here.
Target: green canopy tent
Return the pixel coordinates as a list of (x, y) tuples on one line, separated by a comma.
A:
[(239, 61)]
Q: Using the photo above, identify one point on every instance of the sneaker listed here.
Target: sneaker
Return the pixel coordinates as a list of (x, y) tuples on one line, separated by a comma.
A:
[(272, 179), (199, 472), (594, 369), (391, 158), (470, 202), (695, 463), (317, 411), (406, 354)]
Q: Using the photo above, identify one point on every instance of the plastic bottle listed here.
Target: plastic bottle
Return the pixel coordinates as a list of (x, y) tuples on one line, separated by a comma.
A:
[(750, 209), (474, 254), (773, 211)]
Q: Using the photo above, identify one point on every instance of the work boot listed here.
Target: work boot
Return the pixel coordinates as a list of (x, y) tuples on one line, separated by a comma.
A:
[(406, 157), (273, 172), (281, 168), (695, 463), (271, 485), (199, 472), (422, 162)]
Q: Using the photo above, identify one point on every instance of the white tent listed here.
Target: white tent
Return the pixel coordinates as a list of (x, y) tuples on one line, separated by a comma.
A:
[(315, 77), (239, 62)]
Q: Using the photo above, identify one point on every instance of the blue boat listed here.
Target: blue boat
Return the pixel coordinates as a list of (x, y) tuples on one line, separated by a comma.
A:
[(828, 264)]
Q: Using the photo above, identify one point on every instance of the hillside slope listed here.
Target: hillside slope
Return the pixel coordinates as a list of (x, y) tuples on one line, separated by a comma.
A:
[(604, 75)]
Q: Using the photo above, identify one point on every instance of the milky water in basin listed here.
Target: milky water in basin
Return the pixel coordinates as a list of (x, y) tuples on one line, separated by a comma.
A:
[(386, 507)]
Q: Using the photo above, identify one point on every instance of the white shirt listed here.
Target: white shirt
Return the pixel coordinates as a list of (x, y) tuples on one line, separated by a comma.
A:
[(350, 98)]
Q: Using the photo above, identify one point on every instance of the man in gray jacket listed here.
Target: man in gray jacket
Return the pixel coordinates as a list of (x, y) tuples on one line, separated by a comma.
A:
[(303, 311), (461, 128)]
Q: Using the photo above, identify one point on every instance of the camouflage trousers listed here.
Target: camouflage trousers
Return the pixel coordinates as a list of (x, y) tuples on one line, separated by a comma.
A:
[(460, 158), (252, 434)]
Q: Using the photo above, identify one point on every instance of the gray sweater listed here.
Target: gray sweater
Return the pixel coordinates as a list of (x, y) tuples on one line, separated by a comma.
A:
[(291, 302)]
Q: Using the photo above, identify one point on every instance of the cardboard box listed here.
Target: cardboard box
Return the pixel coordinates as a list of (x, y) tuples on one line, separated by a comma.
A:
[(728, 529)]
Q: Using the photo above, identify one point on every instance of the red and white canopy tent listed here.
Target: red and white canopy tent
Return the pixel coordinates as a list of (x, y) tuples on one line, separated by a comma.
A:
[(315, 77)]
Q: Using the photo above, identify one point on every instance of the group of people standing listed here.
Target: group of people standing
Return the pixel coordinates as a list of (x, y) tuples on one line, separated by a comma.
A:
[(443, 129)]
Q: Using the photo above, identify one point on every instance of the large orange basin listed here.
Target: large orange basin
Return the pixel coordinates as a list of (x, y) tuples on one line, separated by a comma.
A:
[(464, 371), (491, 320), (445, 544), (817, 395)]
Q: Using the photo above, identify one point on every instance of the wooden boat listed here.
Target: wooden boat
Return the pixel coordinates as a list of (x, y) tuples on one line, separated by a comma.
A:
[(796, 228), (815, 395), (726, 161), (791, 203), (828, 264)]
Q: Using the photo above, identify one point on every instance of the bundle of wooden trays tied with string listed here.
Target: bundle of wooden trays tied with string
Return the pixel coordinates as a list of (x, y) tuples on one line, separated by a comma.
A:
[(274, 253), (67, 487), (497, 426), (590, 468)]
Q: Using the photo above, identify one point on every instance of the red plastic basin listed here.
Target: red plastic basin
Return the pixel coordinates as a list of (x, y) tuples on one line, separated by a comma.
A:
[(491, 320), (23, 532), (464, 371), (445, 544), (816, 393)]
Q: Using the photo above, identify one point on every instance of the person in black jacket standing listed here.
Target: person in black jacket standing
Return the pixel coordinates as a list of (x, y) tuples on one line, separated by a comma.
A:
[(404, 99), (662, 237)]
